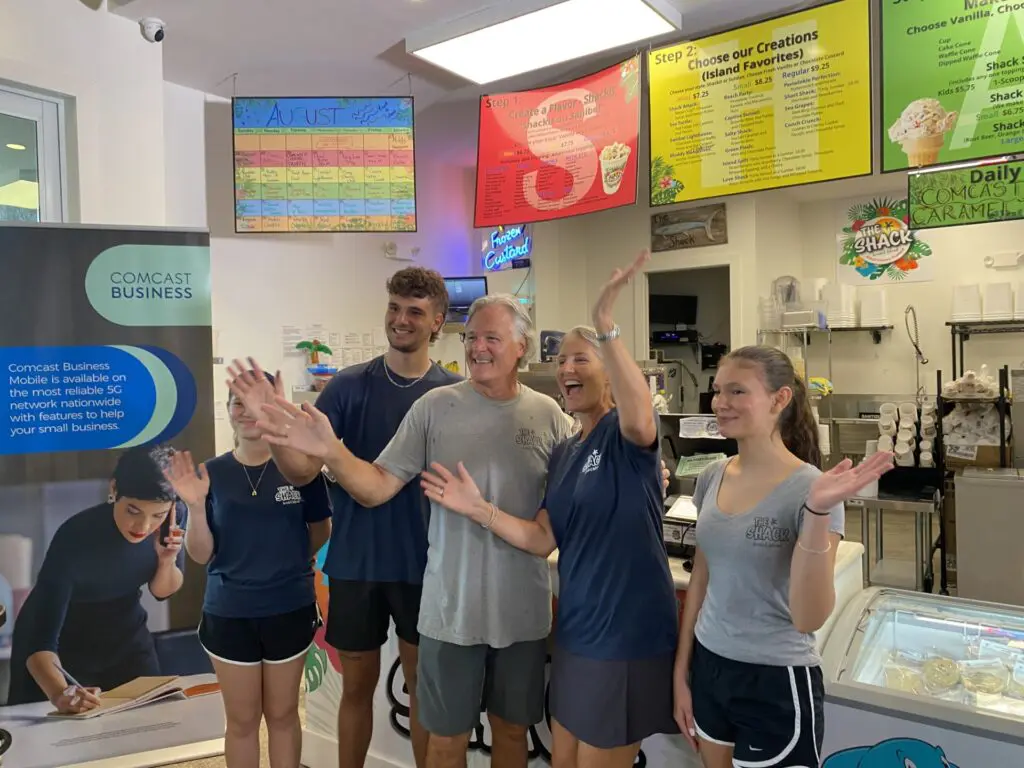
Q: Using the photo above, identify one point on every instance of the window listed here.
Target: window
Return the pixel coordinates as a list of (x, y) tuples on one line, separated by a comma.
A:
[(32, 184)]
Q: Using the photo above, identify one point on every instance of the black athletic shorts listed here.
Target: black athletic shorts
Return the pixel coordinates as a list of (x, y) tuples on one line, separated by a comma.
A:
[(268, 640), (773, 717), (359, 612)]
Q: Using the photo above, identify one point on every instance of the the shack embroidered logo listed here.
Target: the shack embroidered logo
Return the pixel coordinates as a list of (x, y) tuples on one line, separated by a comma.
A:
[(766, 532), (528, 438), (592, 463), (286, 494)]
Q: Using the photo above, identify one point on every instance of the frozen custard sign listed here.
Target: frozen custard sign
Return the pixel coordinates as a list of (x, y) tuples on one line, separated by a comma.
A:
[(507, 248), (877, 244)]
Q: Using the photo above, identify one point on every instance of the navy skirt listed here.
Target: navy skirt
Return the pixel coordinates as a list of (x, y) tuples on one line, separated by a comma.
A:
[(608, 704)]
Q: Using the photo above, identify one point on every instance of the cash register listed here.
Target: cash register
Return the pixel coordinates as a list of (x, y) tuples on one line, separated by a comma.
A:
[(679, 528)]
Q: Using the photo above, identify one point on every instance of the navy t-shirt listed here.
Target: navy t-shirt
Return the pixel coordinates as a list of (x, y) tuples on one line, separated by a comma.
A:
[(389, 542), (262, 563), (616, 598), (85, 605)]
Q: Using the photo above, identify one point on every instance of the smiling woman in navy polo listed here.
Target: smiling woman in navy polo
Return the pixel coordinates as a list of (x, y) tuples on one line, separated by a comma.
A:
[(257, 535), (615, 638)]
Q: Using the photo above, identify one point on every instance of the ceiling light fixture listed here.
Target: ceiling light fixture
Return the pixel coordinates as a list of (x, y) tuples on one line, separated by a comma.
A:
[(16, 146), (515, 37)]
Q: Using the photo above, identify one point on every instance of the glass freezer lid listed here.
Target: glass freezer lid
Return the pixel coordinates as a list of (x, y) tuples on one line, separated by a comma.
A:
[(941, 649)]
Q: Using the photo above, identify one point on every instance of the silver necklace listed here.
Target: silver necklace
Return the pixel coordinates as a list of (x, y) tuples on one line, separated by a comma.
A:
[(249, 479), (387, 372)]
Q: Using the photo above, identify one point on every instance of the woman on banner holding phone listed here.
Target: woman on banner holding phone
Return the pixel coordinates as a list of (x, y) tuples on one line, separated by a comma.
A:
[(82, 629), (258, 536)]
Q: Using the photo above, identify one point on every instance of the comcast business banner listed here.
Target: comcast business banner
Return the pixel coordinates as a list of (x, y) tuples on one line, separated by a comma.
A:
[(105, 343)]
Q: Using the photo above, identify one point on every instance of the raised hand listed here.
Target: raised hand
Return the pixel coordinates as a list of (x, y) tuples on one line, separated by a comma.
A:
[(251, 385), (306, 429), (190, 485), (602, 312), (844, 480), (455, 492)]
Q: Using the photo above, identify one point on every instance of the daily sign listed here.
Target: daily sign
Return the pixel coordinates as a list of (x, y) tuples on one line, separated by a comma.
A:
[(978, 195)]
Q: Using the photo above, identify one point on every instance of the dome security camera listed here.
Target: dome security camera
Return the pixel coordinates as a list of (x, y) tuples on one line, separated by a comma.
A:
[(152, 30)]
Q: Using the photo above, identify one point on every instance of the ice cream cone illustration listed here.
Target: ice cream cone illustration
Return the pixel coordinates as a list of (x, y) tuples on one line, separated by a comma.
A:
[(921, 131), (923, 151)]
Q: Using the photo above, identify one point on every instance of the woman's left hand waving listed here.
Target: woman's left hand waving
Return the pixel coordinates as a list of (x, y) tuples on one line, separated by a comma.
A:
[(844, 480), (602, 312), (455, 492)]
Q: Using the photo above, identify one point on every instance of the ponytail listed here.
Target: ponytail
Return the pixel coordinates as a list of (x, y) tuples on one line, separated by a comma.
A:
[(797, 427)]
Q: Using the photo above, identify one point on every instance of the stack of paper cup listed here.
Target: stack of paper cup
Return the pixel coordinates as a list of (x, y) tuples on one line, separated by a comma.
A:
[(997, 301), (841, 305), (885, 443), (966, 303), (824, 440), (873, 309), (871, 489)]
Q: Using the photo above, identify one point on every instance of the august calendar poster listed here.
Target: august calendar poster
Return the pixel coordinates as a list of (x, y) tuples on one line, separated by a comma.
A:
[(324, 164)]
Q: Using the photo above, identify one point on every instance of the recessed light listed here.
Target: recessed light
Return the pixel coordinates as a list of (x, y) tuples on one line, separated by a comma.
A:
[(15, 146)]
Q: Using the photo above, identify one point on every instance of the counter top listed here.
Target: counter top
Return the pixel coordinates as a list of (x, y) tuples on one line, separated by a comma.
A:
[(849, 551), (161, 733)]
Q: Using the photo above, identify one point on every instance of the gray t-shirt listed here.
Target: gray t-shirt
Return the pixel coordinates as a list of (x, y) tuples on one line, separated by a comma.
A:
[(745, 616), (477, 589)]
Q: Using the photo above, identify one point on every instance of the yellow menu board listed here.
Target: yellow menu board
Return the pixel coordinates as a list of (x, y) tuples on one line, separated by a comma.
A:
[(779, 103)]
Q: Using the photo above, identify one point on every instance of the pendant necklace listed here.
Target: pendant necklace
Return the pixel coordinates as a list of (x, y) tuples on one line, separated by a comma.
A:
[(249, 479)]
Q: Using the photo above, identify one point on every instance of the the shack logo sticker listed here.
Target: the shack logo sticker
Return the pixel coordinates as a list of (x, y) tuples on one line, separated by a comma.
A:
[(877, 245)]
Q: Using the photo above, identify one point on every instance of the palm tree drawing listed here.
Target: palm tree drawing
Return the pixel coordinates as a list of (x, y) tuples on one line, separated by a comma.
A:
[(314, 349)]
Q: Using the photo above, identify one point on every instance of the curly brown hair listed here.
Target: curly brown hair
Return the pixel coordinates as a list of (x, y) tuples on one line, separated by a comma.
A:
[(420, 283)]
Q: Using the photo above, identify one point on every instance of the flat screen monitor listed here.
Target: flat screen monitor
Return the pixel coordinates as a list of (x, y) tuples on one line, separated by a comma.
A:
[(463, 291), (664, 309)]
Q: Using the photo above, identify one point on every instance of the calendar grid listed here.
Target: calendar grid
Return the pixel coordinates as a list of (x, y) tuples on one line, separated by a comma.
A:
[(324, 165)]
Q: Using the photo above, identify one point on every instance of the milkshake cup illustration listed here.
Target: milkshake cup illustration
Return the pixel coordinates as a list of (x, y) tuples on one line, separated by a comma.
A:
[(613, 164), (921, 131)]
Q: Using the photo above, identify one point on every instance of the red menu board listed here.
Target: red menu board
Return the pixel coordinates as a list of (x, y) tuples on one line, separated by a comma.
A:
[(559, 151)]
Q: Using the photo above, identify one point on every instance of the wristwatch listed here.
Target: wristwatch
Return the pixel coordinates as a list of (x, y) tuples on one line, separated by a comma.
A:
[(612, 334)]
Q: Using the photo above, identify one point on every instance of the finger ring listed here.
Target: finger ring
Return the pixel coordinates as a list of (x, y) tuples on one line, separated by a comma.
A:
[(441, 493)]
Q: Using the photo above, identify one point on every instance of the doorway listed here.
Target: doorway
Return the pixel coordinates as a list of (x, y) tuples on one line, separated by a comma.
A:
[(31, 159), (689, 327)]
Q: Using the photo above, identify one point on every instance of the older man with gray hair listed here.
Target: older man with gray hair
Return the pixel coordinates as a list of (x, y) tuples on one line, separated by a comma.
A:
[(485, 613)]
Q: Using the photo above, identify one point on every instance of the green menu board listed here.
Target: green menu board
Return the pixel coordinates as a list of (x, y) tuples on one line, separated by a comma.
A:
[(949, 197), (952, 81)]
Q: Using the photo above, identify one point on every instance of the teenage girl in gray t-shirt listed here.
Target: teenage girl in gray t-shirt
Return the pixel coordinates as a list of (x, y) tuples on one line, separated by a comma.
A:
[(748, 687)]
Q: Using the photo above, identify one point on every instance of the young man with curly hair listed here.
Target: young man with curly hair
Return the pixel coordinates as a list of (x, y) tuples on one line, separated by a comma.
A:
[(376, 558)]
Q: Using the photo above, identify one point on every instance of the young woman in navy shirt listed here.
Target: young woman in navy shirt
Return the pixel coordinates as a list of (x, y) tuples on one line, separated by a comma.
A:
[(258, 536), (83, 618), (616, 630)]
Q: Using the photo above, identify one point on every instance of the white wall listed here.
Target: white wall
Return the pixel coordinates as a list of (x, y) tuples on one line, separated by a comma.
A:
[(263, 282), (862, 367), (114, 80)]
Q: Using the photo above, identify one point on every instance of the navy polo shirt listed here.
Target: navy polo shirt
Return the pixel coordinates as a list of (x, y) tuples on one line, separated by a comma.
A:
[(85, 604), (261, 564), (616, 598), (386, 543)]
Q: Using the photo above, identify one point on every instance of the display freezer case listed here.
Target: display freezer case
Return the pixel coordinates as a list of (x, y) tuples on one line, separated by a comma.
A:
[(937, 680)]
